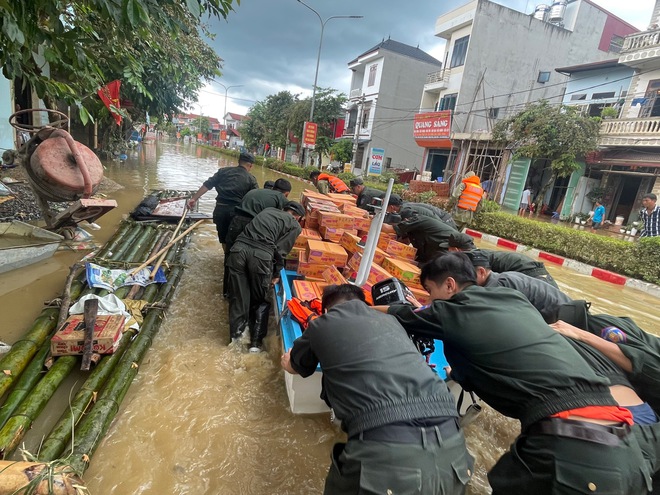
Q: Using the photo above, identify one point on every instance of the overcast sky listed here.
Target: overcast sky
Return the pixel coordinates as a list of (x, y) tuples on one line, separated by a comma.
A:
[(272, 45)]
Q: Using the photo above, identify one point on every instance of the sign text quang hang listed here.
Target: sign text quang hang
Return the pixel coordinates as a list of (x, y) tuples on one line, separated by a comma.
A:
[(309, 135), (432, 129)]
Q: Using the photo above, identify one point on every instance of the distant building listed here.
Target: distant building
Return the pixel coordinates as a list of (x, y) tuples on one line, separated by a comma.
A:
[(385, 85), (233, 137), (496, 61), (628, 162)]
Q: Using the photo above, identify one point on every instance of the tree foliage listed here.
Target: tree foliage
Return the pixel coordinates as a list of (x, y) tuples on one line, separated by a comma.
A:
[(342, 150), (154, 47), (559, 134), (283, 114)]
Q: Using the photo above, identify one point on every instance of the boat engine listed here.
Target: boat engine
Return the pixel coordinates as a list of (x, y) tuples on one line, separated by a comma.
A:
[(61, 169)]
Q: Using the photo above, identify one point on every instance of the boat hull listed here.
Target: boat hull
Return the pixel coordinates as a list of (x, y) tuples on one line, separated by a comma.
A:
[(22, 244)]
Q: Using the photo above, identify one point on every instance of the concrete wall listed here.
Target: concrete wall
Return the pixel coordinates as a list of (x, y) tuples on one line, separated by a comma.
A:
[(509, 49), (402, 81), (615, 80)]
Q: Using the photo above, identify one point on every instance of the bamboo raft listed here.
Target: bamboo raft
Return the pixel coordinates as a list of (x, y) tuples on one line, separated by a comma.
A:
[(27, 389)]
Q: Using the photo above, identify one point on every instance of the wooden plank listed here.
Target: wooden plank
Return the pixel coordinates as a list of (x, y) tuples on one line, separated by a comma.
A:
[(90, 310)]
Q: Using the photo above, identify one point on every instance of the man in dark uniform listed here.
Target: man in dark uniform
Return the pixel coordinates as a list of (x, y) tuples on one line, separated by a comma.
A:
[(255, 261), (269, 184), (253, 203), (401, 419), (231, 183), (397, 205), (504, 261), (546, 299), (575, 438), (365, 195), (425, 233)]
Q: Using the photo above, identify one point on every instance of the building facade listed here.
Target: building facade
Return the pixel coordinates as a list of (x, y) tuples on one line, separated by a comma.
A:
[(497, 60), (383, 99)]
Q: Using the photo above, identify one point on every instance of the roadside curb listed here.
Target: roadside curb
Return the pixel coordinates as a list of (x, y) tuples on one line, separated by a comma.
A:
[(599, 273)]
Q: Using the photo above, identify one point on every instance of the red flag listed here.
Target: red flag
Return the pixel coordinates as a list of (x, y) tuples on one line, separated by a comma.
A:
[(109, 94)]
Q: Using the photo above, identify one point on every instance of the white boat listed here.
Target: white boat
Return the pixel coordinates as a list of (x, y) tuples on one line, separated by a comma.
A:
[(22, 244)]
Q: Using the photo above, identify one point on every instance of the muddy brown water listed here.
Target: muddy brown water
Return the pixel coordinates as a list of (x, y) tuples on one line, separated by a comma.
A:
[(205, 418)]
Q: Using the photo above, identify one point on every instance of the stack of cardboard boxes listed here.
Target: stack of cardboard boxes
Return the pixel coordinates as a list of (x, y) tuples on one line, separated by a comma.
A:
[(328, 250)]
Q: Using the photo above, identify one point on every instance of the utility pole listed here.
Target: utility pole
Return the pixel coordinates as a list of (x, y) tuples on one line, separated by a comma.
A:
[(356, 133)]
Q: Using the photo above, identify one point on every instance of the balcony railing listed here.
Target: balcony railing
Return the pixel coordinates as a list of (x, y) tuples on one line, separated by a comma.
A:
[(355, 93), (630, 132), (625, 127), (641, 41), (440, 76)]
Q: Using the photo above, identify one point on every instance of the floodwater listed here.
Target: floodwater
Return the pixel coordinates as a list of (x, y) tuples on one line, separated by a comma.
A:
[(206, 418)]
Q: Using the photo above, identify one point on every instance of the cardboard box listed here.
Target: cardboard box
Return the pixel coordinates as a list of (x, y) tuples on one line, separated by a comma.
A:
[(361, 223), (294, 253), (377, 274), (349, 242), (335, 220), (326, 253), (342, 199), (309, 196), (397, 249), (291, 265), (402, 270), (310, 270), (367, 294), (332, 234), (332, 276), (421, 295), (305, 290), (305, 235), (70, 339)]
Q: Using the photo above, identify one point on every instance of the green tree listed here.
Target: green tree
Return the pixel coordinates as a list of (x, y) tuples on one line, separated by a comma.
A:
[(88, 43), (342, 150), (268, 120), (557, 134)]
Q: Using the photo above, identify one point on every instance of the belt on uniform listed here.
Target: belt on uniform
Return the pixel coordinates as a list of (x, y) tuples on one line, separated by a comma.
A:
[(408, 433), (580, 430)]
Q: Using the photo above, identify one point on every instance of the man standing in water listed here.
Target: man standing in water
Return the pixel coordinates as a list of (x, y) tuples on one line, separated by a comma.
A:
[(400, 418), (231, 183), (575, 438), (255, 261)]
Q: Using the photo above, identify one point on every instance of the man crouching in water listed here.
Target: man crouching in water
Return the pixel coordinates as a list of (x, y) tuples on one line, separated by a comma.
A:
[(575, 438), (400, 418)]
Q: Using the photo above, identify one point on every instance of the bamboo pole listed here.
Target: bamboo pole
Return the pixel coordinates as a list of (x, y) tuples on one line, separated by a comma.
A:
[(114, 240), (168, 246), (38, 479), (152, 275), (95, 424), (24, 384), (17, 426)]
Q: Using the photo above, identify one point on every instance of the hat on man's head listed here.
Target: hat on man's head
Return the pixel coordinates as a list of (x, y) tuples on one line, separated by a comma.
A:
[(282, 185), (357, 181), (295, 207), (478, 258), (246, 157), (459, 240), (395, 200)]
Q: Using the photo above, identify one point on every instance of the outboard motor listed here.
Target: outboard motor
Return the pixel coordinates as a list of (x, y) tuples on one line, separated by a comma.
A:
[(390, 291)]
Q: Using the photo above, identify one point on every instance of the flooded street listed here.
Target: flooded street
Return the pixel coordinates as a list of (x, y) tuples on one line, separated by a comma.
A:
[(202, 417)]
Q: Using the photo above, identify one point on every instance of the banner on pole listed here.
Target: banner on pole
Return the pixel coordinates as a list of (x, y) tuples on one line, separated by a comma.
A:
[(309, 135)]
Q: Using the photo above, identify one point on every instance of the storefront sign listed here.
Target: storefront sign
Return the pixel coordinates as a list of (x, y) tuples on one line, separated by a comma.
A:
[(376, 157), (309, 135), (223, 135), (432, 129)]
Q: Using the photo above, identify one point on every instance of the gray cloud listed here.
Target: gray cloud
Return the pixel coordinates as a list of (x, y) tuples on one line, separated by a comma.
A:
[(272, 45)]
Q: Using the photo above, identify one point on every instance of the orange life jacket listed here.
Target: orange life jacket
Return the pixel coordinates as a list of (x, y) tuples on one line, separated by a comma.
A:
[(336, 184), (470, 197), (304, 311)]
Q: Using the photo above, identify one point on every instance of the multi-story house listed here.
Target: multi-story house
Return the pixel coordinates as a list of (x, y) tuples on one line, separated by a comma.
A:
[(496, 61), (384, 96), (629, 156), (591, 88)]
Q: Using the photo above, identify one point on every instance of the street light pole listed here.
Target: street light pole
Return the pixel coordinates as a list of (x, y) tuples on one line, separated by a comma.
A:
[(226, 88), (318, 56)]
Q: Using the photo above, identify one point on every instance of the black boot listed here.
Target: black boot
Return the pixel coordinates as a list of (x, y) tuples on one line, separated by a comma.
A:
[(259, 330)]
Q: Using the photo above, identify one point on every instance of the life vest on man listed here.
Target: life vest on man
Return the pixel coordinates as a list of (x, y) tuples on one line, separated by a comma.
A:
[(336, 184), (471, 195), (304, 312)]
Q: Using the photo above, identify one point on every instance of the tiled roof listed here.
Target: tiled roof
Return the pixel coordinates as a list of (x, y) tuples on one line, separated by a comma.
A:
[(401, 49)]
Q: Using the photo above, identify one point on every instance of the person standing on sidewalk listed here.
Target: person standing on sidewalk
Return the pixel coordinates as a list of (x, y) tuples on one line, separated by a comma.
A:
[(599, 216), (400, 418), (650, 215), (467, 197), (525, 202)]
